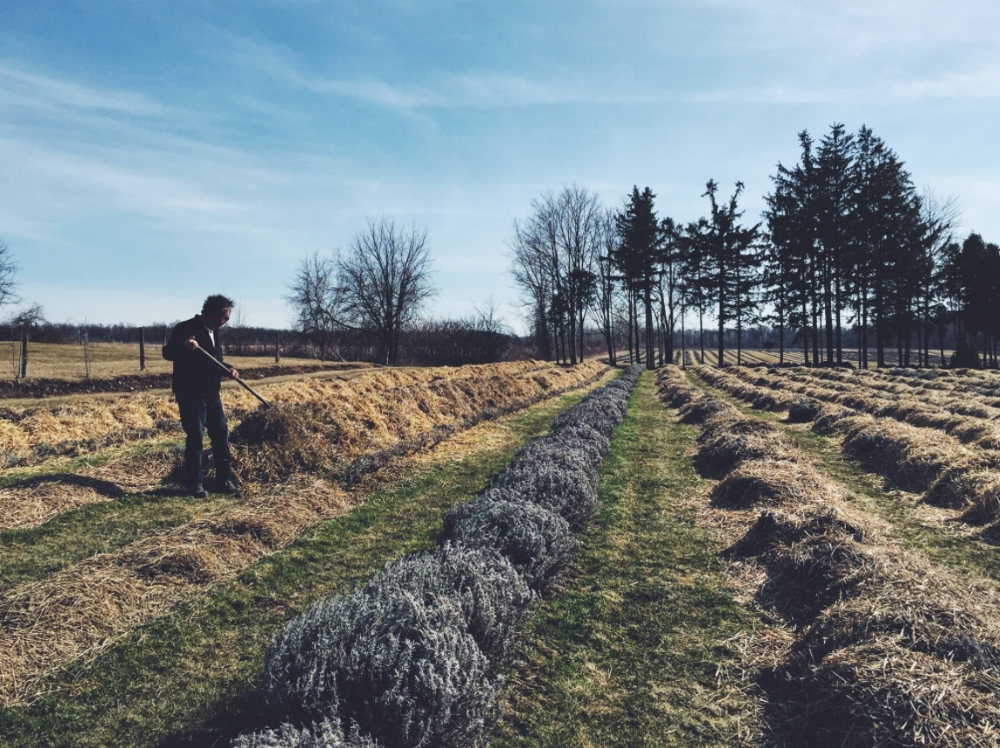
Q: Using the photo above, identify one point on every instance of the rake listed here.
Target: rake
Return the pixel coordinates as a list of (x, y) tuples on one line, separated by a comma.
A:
[(240, 382)]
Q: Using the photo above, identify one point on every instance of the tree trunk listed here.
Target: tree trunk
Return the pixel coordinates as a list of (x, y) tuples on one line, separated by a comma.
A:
[(683, 342), (650, 341), (701, 329)]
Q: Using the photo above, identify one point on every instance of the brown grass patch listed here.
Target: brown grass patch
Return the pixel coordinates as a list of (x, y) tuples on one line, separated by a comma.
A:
[(80, 611), (769, 482), (913, 661), (910, 457)]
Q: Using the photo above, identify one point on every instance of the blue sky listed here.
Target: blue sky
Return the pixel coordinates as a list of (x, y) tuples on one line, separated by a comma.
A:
[(152, 153)]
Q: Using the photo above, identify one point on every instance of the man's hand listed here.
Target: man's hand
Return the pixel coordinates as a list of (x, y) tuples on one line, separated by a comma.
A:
[(234, 374), (191, 344)]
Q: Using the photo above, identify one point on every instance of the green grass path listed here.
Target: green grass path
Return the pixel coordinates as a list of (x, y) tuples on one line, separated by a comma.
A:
[(629, 652), (181, 680)]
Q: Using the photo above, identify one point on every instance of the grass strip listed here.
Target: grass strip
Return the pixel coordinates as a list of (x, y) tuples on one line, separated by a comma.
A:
[(94, 459), (34, 553), (183, 679), (947, 544), (633, 650)]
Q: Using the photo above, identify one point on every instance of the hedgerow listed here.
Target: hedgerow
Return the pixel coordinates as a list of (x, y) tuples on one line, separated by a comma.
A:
[(411, 658)]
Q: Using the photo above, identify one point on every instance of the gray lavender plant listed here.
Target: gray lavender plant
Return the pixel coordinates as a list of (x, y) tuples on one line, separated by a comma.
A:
[(569, 491), (410, 658), (493, 596), (324, 734), (536, 541), (399, 665)]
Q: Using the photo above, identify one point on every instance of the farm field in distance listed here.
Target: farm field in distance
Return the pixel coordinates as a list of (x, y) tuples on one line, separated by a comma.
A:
[(60, 369), (776, 556)]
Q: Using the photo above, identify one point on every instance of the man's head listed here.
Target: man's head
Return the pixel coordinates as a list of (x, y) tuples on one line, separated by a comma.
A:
[(216, 310)]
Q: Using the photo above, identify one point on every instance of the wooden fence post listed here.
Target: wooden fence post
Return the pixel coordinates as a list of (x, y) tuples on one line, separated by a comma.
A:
[(142, 349), (24, 355), (277, 348)]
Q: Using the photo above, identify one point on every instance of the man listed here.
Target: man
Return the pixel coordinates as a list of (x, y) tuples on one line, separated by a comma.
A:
[(196, 384)]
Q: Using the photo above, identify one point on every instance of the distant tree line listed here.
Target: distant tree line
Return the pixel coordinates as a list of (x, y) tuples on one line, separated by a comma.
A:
[(848, 253), (364, 303)]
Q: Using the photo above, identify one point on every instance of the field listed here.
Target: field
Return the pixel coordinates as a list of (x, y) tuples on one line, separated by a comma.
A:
[(744, 556), (754, 356), (108, 360)]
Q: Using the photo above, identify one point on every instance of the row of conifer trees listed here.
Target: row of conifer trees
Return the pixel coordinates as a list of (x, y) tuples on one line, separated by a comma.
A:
[(846, 244)]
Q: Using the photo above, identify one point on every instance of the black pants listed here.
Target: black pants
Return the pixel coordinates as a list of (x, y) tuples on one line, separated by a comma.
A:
[(202, 411)]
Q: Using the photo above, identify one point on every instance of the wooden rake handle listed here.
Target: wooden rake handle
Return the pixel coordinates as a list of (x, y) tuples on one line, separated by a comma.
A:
[(239, 381)]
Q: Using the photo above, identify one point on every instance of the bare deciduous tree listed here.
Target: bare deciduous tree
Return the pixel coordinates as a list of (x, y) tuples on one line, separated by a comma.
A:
[(531, 266), (553, 261), (604, 299), (21, 326), (317, 300), (384, 278), (8, 269)]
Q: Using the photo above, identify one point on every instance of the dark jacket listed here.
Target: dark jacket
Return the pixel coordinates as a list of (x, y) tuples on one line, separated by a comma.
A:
[(194, 372)]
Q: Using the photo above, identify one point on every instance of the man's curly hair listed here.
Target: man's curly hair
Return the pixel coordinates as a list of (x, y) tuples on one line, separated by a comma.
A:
[(216, 304)]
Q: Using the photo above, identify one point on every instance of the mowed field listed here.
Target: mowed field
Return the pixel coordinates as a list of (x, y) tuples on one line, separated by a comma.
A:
[(108, 360), (754, 557), (794, 356)]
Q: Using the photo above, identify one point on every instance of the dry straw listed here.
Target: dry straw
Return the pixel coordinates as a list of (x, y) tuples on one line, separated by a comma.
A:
[(83, 424), (80, 611), (892, 649), (318, 425)]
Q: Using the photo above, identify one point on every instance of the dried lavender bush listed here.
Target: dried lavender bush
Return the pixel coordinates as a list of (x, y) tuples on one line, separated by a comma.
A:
[(410, 658), (325, 734), (536, 541), (403, 668), (493, 597)]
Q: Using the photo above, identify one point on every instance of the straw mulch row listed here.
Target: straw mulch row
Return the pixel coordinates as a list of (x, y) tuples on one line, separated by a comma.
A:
[(950, 382), (29, 435), (882, 647), (919, 460), (320, 425), (759, 398), (389, 412), (967, 419), (81, 610)]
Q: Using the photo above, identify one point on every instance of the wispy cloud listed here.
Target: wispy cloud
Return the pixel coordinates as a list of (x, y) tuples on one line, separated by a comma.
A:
[(32, 89), (845, 30), (978, 84), (480, 89)]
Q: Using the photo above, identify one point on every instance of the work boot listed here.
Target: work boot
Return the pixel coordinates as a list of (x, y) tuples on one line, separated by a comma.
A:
[(228, 487), (198, 491)]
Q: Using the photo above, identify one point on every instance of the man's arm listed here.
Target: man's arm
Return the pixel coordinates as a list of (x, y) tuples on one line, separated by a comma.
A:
[(181, 343), (175, 345)]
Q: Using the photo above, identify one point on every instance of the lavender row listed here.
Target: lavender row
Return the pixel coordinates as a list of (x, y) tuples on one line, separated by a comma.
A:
[(413, 657)]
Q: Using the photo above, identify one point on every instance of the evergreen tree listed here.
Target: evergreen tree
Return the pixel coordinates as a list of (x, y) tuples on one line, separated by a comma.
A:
[(638, 256)]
